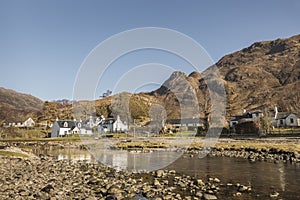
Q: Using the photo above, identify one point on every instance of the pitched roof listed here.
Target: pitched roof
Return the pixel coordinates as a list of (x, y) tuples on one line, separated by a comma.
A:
[(185, 121), (283, 115), (69, 124)]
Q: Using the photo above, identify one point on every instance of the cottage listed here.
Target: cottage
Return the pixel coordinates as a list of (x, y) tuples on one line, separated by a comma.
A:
[(62, 128), (93, 121), (246, 117), (29, 123), (285, 119), (86, 131), (112, 125), (26, 124), (188, 122)]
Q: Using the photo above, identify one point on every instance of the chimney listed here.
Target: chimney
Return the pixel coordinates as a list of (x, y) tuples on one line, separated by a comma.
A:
[(276, 112)]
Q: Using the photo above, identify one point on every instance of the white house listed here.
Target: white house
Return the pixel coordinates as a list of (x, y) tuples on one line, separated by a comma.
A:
[(118, 125), (285, 119), (62, 128), (29, 123), (187, 122), (85, 131), (247, 116), (26, 124), (112, 125)]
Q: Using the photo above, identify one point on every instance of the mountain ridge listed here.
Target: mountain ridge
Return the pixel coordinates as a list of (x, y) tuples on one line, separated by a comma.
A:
[(16, 106), (264, 75)]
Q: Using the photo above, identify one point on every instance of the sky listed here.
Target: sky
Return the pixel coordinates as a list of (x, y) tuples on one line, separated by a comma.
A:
[(43, 44)]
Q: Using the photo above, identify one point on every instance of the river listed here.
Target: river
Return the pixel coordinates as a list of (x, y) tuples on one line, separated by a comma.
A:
[(264, 177)]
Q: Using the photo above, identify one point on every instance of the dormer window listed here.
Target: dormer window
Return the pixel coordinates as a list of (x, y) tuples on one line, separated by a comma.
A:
[(66, 124)]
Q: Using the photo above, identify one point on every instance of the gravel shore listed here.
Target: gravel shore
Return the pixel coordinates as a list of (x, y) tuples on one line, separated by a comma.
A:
[(45, 178)]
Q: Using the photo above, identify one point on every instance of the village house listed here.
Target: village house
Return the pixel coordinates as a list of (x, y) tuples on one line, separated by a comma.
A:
[(189, 122), (88, 127), (63, 128), (246, 117), (286, 119), (93, 121), (112, 125), (86, 131), (29, 123)]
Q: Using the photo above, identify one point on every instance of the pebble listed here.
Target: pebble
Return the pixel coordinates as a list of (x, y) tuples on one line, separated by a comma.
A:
[(209, 197), (50, 179)]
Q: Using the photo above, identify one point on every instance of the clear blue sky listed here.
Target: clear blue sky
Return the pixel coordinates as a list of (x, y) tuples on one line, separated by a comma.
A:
[(43, 43)]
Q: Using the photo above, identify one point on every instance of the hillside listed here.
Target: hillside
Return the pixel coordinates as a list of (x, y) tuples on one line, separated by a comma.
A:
[(16, 107), (261, 76)]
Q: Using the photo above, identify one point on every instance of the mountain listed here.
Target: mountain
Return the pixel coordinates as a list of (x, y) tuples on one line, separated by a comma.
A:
[(16, 107), (261, 76)]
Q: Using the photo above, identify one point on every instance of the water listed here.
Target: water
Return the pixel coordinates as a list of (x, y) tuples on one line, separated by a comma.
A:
[(264, 177)]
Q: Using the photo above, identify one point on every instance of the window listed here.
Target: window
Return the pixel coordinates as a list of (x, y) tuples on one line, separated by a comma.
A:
[(281, 122), (66, 124), (292, 120)]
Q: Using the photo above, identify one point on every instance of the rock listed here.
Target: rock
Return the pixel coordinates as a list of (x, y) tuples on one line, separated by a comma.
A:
[(217, 180), (274, 195), (24, 193), (182, 184), (167, 197), (47, 188), (199, 194), (110, 197), (156, 182), (160, 173), (91, 198), (242, 188), (114, 190), (209, 196), (238, 194), (199, 182)]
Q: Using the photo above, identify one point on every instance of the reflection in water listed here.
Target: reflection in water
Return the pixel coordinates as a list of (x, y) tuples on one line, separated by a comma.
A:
[(75, 157), (134, 161), (264, 177), (281, 176)]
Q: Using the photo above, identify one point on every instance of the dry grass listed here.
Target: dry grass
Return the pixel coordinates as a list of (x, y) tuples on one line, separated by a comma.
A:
[(12, 154), (288, 146)]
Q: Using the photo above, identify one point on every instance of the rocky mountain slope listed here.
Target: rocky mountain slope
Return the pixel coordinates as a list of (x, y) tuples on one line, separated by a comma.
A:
[(262, 76), (16, 107)]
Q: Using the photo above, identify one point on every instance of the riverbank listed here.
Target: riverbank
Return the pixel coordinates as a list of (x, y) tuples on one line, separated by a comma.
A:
[(47, 178), (253, 149), (23, 178)]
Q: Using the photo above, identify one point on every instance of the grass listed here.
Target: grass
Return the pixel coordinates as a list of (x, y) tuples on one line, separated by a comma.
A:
[(141, 145), (71, 138), (266, 146), (287, 146), (12, 154)]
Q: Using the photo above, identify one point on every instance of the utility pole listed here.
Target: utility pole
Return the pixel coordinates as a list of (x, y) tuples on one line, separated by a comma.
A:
[(133, 128)]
